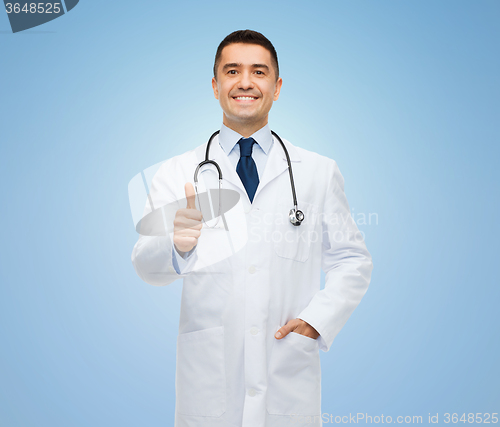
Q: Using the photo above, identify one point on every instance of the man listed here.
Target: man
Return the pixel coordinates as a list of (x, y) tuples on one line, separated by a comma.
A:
[(253, 319)]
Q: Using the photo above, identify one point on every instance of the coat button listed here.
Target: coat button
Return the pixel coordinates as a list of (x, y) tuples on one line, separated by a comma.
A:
[(254, 330), (252, 392), (252, 269)]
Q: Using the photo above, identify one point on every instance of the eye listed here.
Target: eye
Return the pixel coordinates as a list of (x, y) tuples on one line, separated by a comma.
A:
[(232, 72), (259, 72)]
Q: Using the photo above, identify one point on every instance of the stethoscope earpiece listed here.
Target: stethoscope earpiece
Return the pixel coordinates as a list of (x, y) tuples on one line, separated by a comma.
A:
[(296, 216)]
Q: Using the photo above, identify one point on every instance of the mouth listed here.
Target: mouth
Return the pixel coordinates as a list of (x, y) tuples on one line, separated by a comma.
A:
[(245, 98)]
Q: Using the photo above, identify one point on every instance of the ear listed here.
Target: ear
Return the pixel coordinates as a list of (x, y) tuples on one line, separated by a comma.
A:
[(214, 87), (279, 82)]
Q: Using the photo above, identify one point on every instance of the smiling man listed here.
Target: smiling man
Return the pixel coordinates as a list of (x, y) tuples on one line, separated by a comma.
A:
[(252, 325), (246, 89)]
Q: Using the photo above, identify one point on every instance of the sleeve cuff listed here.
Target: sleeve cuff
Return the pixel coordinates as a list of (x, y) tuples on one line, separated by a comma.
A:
[(322, 342), (183, 263)]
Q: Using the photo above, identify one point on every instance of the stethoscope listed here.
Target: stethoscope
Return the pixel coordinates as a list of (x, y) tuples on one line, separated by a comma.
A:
[(296, 216)]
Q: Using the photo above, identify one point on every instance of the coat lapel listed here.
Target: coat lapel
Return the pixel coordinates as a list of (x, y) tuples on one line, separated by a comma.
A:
[(276, 163)]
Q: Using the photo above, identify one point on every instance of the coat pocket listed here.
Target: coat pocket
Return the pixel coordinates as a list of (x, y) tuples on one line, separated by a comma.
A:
[(294, 242), (294, 381), (200, 381)]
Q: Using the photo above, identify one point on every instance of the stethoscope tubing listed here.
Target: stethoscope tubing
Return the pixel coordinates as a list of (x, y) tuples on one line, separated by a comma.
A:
[(213, 162)]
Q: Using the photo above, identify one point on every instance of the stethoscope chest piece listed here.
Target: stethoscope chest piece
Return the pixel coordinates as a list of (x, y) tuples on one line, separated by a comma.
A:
[(296, 216)]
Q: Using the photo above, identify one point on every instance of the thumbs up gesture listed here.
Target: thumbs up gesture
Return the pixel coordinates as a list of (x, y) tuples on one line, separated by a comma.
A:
[(187, 223)]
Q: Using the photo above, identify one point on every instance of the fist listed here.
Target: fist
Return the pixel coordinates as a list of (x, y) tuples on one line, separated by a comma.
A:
[(187, 223)]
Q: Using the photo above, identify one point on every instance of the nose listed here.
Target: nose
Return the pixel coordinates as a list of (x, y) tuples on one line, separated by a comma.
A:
[(245, 81)]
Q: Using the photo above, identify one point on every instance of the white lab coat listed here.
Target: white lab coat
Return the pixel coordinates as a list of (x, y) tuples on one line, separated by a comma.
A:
[(231, 370)]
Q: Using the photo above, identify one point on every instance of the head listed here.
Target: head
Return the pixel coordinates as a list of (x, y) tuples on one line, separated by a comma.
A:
[(246, 80), (247, 37)]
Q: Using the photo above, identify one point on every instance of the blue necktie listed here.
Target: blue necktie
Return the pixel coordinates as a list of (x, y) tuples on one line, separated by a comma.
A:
[(246, 168)]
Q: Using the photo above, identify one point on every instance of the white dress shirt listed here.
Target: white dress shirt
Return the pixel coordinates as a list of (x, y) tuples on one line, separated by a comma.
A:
[(228, 141)]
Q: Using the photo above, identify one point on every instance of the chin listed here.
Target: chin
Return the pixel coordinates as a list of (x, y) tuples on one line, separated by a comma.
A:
[(242, 117)]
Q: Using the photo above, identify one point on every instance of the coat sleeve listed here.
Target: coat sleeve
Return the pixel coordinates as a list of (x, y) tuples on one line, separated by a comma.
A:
[(346, 262), (152, 256)]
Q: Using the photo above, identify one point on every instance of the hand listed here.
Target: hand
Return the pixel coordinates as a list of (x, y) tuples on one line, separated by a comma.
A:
[(187, 223), (298, 326)]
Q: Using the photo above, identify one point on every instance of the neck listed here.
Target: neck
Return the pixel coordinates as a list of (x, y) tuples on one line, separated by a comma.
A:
[(244, 129)]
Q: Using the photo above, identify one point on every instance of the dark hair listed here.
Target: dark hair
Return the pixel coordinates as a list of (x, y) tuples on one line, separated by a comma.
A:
[(248, 37)]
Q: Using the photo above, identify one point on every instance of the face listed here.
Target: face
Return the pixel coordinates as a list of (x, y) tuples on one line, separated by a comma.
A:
[(246, 85)]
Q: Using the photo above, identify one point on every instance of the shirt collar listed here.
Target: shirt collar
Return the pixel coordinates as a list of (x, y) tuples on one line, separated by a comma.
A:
[(228, 138)]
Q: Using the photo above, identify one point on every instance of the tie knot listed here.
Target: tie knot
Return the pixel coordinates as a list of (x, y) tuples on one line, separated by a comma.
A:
[(246, 145)]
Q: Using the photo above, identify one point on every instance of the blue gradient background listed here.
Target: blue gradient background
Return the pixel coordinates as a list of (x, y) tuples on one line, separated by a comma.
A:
[(404, 95)]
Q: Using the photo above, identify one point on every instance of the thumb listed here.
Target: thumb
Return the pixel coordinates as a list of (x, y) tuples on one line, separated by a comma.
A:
[(282, 332), (190, 196)]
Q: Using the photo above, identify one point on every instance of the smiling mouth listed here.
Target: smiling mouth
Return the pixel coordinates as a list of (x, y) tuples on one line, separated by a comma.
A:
[(244, 98)]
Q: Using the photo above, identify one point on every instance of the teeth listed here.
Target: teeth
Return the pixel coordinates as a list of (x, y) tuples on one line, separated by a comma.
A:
[(244, 97)]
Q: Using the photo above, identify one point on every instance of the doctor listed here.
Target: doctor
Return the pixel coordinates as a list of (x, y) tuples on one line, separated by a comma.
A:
[(253, 321)]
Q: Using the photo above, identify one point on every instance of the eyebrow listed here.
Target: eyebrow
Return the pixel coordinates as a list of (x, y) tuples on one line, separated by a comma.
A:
[(235, 65)]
